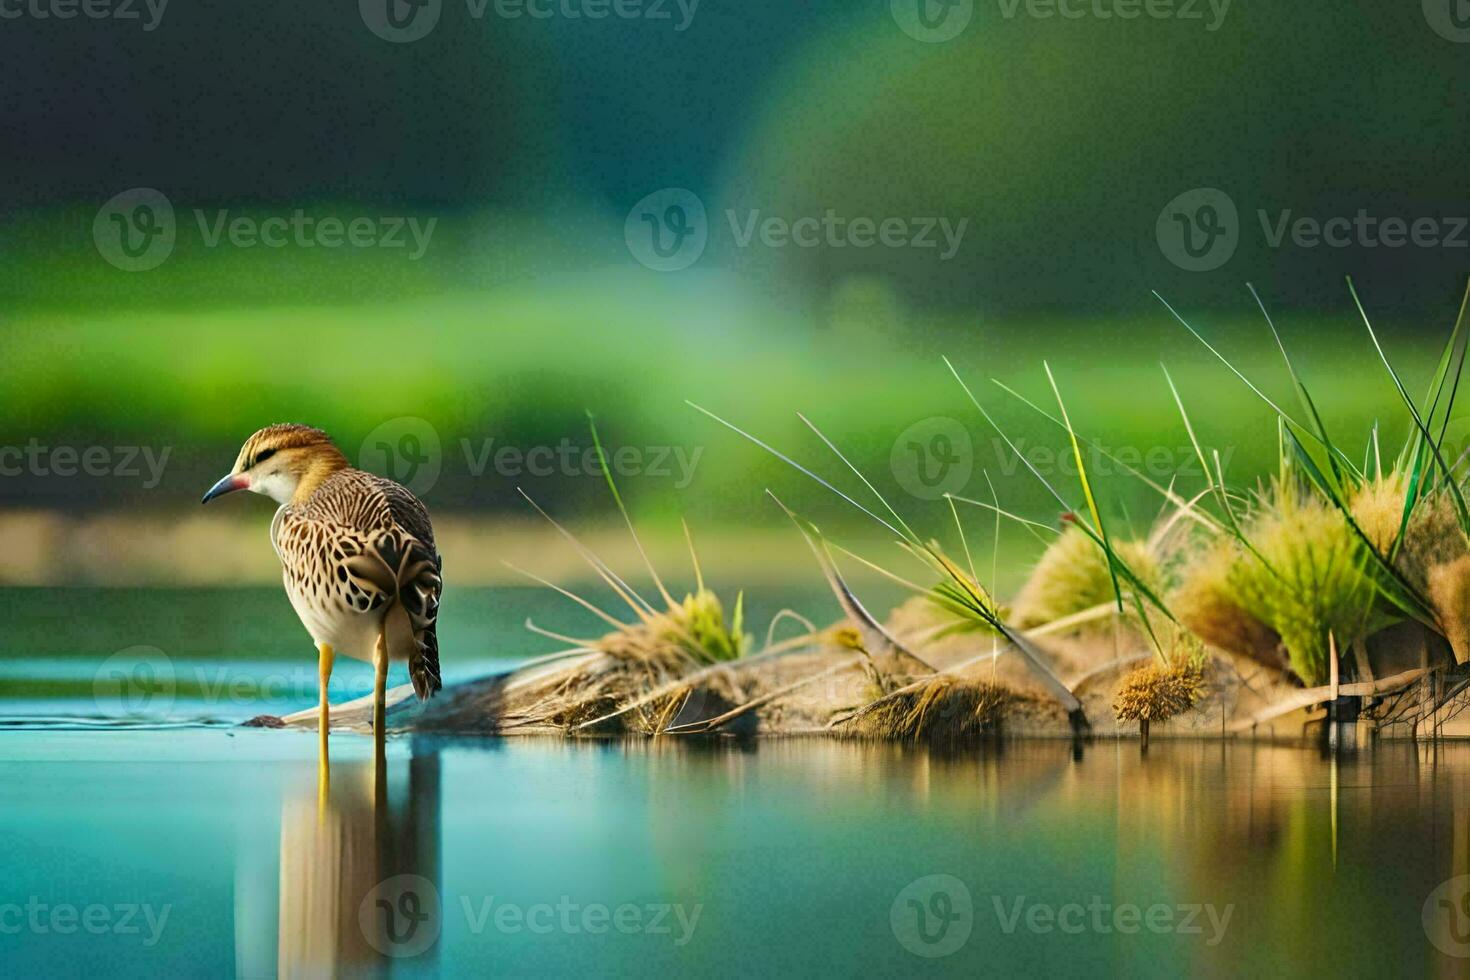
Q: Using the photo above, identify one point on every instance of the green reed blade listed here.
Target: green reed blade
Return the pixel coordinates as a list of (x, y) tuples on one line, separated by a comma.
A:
[(1087, 487), (1462, 512)]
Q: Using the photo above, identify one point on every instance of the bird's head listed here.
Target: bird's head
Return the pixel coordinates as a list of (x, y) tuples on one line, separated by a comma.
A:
[(284, 462)]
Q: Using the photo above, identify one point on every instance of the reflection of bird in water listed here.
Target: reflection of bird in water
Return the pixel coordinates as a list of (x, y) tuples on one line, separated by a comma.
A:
[(351, 868), (357, 553)]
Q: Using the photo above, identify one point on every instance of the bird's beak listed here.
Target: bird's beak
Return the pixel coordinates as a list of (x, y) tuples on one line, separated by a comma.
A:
[(231, 483)]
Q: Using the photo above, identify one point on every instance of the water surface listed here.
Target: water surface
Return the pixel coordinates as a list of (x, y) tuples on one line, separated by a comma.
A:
[(789, 855), (143, 833)]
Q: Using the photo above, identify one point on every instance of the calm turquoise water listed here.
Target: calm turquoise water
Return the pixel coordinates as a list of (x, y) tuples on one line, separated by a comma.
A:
[(207, 849), (226, 655)]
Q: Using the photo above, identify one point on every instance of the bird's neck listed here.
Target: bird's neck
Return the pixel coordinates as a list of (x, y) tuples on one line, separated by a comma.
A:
[(319, 469)]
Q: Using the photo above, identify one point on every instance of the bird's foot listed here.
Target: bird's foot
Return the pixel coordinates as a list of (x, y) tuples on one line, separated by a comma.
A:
[(264, 721)]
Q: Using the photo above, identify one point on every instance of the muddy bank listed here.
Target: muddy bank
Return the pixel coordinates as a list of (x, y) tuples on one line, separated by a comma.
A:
[(833, 689)]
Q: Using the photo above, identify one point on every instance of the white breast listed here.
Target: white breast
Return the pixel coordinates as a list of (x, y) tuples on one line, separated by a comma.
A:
[(347, 631), (327, 618)]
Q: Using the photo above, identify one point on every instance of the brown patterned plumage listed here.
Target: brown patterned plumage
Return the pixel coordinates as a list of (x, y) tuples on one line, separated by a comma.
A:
[(357, 550), (358, 560)]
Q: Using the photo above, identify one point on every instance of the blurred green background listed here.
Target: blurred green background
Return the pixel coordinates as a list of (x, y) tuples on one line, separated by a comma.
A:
[(1054, 144)]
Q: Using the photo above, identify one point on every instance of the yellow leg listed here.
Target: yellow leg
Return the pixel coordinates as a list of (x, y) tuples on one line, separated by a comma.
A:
[(324, 675), (380, 687), (323, 782), (323, 724), (380, 722)]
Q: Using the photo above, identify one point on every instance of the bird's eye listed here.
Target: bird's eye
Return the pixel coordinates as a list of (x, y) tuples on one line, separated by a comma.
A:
[(264, 455)]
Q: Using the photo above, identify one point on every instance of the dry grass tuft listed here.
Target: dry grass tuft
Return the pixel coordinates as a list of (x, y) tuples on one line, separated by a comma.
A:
[(1306, 579), (1449, 590), (645, 658), (1159, 692), (1072, 575), (588, 696), (942, 707), (1432, 538), (1435, 558), (1206, 604), (1378, 507)]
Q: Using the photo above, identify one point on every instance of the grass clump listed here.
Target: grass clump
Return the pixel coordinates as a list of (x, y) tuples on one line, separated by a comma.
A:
[(1431, 538), (1161, 691), (958, 591), (1449, 591), (1208, 605), (691, 633), (1435, 558), (1327, 552), (653, 668), (653, 665), (1306, 576), (1073, 576), (651, 656), (938, 708), (1377, 506), (1294, 575)]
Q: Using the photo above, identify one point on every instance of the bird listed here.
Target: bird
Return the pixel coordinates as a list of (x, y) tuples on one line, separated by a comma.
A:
[(357, 554)]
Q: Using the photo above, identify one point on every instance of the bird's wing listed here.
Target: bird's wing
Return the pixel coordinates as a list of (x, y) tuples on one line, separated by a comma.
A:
[(408, 549), (408, 512), (384, 547)]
